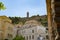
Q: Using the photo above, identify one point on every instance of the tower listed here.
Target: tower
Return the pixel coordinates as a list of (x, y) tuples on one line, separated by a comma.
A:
[(27, 14)]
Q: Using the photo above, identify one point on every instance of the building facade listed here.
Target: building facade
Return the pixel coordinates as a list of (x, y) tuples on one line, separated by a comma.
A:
[(6, 28), (33, 31)]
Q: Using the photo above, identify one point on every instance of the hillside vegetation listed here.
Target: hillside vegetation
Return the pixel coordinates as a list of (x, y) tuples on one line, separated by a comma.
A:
[(42, 19)]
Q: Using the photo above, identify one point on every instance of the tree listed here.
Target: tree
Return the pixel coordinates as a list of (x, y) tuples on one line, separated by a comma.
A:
[(15, 20), (19, 38), (2, 7)]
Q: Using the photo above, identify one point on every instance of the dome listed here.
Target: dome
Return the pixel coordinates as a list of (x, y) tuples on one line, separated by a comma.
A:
[(32, 23)]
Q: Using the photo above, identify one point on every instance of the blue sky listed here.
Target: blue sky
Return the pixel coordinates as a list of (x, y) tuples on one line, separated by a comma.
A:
[(20, 7)]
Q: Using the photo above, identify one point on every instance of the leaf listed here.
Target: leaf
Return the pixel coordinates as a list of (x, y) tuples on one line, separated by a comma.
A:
[(2, 7)]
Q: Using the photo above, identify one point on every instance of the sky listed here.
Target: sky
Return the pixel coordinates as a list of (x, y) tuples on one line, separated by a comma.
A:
[(21, 7)]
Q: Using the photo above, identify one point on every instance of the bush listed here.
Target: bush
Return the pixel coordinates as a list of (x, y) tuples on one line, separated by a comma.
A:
[(19, 38)]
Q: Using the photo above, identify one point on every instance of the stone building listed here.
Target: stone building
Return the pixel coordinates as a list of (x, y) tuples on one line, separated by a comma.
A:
[(33, 30), (17, 28), (6, 28)]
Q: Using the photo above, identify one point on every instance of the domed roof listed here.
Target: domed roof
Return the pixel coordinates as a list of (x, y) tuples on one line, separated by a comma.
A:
[(32, 22)]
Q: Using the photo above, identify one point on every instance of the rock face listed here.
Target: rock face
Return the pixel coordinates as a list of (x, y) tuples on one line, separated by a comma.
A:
[(6, 28), (4, 18)]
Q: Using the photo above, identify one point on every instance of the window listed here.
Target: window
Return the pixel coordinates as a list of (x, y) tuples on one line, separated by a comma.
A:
[(46, 28), (29, 37), (9, 36), (39, 35), (32, 31), (47, 37), (32, 36)]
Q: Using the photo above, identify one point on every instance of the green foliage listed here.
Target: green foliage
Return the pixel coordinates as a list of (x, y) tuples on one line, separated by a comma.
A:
[(19, 38), (15, 20), (2, 7), (42, 19)]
